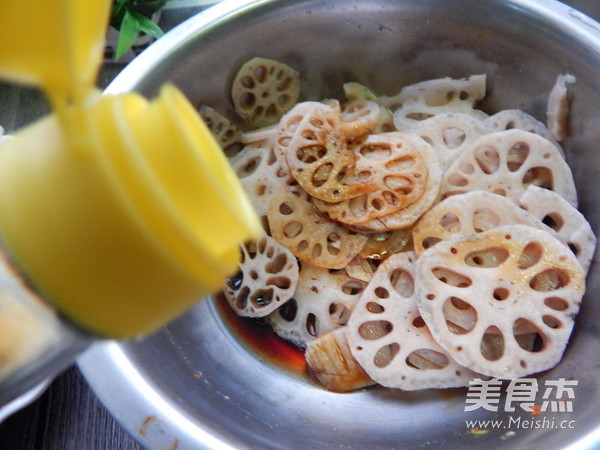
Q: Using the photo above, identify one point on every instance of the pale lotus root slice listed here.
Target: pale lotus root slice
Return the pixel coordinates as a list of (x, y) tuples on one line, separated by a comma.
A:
[(509, 283), (268, 133), (266, 279), (311, 140), (298, 224), (333, 365), (570, 225), (359, 118), (412, 112), (263, 90), (323, 301), (466, 214), (506, 163), (407, 175), (227, 135), (261, 174), (450, 133), (440, 92), (390, 340), (557, 110), (509, 119)]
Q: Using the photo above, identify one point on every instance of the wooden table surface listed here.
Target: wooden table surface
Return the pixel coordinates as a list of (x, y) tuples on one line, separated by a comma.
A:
[(68, 416)]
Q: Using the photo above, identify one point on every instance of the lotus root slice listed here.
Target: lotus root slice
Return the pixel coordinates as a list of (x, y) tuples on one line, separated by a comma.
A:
[(311, 140), (390, 340), (297, 224), (405, 170), (266, 279), (263, 90), (466, 214), (570, 225), (506, 163), (227, 135), (501, 302), (323, 301), (333, 365)]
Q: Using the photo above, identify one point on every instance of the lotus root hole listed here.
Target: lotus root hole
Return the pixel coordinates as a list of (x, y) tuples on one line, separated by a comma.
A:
[(457, 180), (501, 294), (235, 282), (374, 308), (248, 101), (430, 242), (254, 274), (358, 205), (554, 220), (302, 245), (241, 300), (292, 229), (487, 258), (248, 168), (280, 282), (339, 313), (262, 297), (549, 280), (539, 176), (551, 322), (427, 359), (485, 219), (380, 152), (418, 116), (500, 191), (352, 287), (322, 174), (453, 137), (430, 296), (377, 204), (531, 255), (418, 322), (450, 222), (466, 168), (453, 250), (286, 208), (386, 354), (403, 282), (312, 325), (528, 336), (492, 344), (451, 278), (517, 156), (556, 303), (381, 292), (488, 160), (375, 329), (402, 164), (289, 310), (261, 189), (460, 315)]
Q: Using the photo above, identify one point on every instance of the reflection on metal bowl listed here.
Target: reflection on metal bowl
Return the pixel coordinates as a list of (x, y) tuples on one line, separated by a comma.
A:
[(195, 384)]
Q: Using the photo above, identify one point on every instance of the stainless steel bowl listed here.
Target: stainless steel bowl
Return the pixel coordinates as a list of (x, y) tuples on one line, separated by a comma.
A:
[(195, 383)]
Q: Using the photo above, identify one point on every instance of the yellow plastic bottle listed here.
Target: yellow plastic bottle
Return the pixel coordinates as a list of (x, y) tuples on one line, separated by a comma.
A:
[(123, 212)]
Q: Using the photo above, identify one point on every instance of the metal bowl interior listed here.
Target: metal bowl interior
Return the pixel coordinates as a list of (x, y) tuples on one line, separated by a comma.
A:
[(197, 384)]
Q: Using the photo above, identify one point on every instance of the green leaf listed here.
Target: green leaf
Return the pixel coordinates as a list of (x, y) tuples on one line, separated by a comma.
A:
[(128, 33), (145, 25)]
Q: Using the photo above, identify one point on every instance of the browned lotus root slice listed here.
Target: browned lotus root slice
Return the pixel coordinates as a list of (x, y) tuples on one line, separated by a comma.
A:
[(312, 141), (355, 91), (297, 224), (267, 278), (261, 174), (359, 118), (323, 301), (506, 162), (263, 90), (570, 225), (389, 339), (406, 171), (227, 135), (440, 92), (466, 214), (333, 365), (450, 133), (557, 111), (516, 281)]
